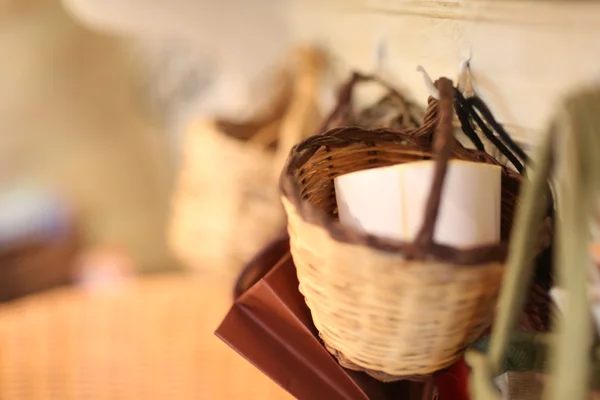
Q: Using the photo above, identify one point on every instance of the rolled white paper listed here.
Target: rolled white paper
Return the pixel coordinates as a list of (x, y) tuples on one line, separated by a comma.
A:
[(390, 202)]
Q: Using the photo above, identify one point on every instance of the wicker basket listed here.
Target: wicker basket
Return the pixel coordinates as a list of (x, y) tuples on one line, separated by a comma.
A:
[(39, 254), (395, 310), (226, 203), (34, 266), (150, 339)]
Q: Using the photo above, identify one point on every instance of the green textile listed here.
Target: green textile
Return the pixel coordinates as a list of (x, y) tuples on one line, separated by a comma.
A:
[(528, 351)]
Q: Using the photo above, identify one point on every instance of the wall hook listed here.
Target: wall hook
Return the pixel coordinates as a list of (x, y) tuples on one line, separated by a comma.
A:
[(380, 56), (465, 79), (433, 91)]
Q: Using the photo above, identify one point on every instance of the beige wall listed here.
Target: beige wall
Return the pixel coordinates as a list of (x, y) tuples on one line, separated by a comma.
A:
[(525, 54), (72, 117)]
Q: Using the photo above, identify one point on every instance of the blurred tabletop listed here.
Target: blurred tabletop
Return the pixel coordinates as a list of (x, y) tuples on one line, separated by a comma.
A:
[(147, 339)]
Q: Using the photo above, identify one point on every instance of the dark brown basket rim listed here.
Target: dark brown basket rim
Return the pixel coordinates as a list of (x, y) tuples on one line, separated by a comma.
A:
[(344, 136)]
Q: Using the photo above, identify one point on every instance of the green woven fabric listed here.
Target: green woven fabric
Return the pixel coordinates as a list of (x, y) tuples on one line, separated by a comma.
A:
[(528, 351)]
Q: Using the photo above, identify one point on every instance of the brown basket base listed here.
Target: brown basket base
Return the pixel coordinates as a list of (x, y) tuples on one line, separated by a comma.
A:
[(379, 375)]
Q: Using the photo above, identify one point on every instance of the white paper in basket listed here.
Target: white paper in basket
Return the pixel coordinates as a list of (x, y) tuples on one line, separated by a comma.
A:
[(390, 202)]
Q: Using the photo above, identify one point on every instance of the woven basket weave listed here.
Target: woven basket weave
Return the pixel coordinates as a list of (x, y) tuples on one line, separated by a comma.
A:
[(151, 339), (226, 203), (392, 309)]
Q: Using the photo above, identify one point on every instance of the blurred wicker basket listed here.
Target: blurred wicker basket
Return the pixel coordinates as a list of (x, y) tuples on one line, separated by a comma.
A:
[(151, 339), (33, 266), (38, 243), (392, 309), (226, 204)]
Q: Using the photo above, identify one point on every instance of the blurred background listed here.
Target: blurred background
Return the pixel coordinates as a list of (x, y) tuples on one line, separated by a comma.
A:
[(140, 145)]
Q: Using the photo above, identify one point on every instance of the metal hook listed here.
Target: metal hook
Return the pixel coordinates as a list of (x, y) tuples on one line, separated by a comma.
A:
[(433, 91), (380, 56), (465, 79)]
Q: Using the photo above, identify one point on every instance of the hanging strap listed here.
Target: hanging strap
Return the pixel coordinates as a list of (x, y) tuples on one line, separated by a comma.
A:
[(472, 104), (503, 143), (478, 104), (574, 138)]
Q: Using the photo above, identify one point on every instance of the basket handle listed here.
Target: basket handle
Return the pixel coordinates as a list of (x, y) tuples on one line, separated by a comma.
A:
[(465, 109), (443, 145), (579, 132), (345, 95)]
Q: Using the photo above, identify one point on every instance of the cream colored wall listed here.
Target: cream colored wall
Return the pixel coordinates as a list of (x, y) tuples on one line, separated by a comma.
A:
[(240, 41), (524, 54), (72, 118)]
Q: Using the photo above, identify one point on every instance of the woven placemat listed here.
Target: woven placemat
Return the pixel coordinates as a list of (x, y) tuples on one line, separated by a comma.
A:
[(151, 339)]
